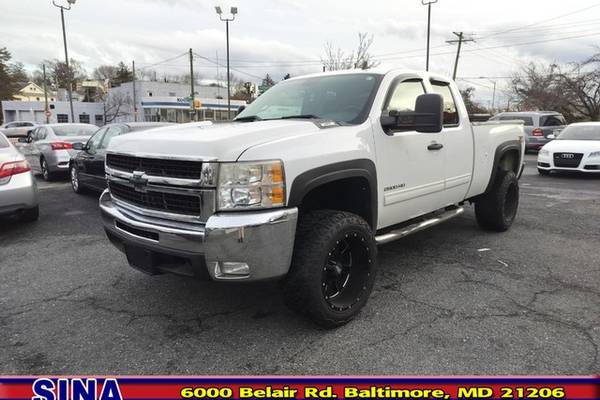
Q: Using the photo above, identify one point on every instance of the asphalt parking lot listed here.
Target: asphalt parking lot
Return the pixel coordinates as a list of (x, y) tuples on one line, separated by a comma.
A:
[(451, 300)]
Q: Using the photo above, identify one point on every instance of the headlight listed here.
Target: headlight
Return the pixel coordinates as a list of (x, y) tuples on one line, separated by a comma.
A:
[(595, 154), (543, 152), (255, 185)]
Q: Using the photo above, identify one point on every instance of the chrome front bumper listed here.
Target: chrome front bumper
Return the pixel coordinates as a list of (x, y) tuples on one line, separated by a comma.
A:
[(263, 241)]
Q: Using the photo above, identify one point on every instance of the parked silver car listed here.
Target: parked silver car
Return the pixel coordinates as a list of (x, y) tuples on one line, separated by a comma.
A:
[(49, 148), (539, 126), (18, 188), (17, 129)]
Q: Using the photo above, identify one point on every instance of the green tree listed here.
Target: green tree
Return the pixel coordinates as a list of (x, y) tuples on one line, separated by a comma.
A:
[(122, 74), (12, 77)]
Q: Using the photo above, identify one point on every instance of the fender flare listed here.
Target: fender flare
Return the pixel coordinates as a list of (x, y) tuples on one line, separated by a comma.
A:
[(502, 149), (313, 178)]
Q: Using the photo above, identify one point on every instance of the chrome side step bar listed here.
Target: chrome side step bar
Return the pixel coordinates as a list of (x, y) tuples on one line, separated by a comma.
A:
[(418, 226)]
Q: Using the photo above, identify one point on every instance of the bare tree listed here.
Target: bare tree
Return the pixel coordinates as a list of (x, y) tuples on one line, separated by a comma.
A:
[(582, 87), (336, 59), (115, 105), (472, 106)]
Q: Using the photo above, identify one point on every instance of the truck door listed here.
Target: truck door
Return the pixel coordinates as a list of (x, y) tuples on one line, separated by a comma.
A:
[(458, 144), (410, 165)]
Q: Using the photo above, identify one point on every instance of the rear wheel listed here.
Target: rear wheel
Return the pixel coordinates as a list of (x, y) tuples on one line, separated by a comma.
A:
[(46, 174), (333, 268), (497, 209)]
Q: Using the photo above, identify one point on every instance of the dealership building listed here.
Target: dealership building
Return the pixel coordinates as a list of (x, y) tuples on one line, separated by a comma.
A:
[(156, 101)]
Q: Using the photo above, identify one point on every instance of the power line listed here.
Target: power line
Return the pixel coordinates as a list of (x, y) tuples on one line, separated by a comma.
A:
[(542, 21)]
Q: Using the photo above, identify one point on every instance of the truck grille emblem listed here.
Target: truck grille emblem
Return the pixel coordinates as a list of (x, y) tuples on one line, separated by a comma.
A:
[(139, 181)]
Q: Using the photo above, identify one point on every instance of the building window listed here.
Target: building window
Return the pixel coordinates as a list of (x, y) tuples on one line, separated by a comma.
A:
[(172, 94), (99, 118), (84, 118), (62, 118)]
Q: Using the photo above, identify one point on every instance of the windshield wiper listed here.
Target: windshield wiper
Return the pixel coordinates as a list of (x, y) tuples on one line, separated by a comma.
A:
[(249, 118), (301, 116)]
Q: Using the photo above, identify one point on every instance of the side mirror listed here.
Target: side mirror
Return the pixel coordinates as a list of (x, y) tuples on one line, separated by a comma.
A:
[(428, 116), (551, 137), (78, 146), (239, 110)]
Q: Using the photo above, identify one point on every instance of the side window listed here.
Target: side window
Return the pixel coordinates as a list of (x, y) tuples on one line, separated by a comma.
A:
[(450, 110), (94, 142), (112, 132), (404, 96)]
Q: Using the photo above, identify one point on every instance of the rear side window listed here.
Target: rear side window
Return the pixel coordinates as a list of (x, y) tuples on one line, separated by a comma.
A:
[(3, 142), (528, 121), (552, 120), (450, 110)]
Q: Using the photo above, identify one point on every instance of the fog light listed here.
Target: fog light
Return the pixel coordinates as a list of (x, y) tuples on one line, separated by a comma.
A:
[(235, 268)]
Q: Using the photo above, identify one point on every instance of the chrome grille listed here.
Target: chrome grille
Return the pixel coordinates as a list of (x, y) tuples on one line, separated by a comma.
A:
[(181, 169), (155, 200)]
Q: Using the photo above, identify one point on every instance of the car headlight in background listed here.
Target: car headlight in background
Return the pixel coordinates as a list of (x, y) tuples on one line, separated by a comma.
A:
[(594, 154), (543, 152), (257, 185)]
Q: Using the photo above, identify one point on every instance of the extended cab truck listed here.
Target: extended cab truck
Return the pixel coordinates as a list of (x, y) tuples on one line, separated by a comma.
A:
[(305, 183)]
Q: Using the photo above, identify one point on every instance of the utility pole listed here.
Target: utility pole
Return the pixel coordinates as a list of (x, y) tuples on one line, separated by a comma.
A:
[(134, 94), (193, 95), (428, 3), (45, 94), (233, 12), (460, 41), (69, 72)]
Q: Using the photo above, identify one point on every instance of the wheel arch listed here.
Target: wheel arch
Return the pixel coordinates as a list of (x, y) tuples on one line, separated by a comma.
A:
[(329, 186), (506, 158)]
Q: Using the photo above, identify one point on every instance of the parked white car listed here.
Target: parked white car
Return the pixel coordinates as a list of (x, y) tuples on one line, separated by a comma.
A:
[(576, 149), (307, 181)]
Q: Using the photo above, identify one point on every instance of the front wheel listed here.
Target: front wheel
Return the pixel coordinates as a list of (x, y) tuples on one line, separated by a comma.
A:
[(75, 183), (333, 267), (497, 209)]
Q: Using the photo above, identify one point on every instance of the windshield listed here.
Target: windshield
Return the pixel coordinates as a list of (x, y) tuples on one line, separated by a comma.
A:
[(341, 98), (580, 132), (74, 130)]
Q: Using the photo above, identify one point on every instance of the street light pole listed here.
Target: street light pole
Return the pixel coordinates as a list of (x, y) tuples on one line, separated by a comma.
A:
[(69, 80), (233, 12), (428, 3)]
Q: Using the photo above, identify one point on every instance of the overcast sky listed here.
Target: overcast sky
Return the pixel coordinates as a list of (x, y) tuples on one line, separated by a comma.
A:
[(281, 36)]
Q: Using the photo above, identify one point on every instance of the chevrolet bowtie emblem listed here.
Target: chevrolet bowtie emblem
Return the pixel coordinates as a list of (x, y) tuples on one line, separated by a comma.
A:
[(139, 180)]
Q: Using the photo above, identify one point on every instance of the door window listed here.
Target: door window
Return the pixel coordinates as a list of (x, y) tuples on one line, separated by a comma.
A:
[(94, 142), (450, 110), (404, 96), (112, 132), (40, 134)]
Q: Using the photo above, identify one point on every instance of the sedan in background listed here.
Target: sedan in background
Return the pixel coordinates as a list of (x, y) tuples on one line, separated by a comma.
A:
[(87, 166), (49, 148), (540, 126), (576, 149), (18, 188), (16, 129)]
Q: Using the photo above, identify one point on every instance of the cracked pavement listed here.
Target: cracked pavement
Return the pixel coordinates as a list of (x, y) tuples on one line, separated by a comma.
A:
[(450, 300)]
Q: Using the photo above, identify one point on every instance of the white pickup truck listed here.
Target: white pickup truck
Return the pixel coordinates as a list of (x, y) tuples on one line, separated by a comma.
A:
[(307, 181)]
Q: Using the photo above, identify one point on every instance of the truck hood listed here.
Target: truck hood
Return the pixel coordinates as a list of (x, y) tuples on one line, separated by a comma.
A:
[(224, 142)]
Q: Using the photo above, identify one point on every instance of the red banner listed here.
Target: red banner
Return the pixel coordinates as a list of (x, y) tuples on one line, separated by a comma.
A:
[(278, 387)]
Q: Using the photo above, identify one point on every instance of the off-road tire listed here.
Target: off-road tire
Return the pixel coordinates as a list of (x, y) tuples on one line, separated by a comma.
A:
[(317, 235), (30, 214), (497, 209)]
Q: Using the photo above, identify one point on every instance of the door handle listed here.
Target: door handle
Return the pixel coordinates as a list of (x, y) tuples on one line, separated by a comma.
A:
[(435, 146)]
